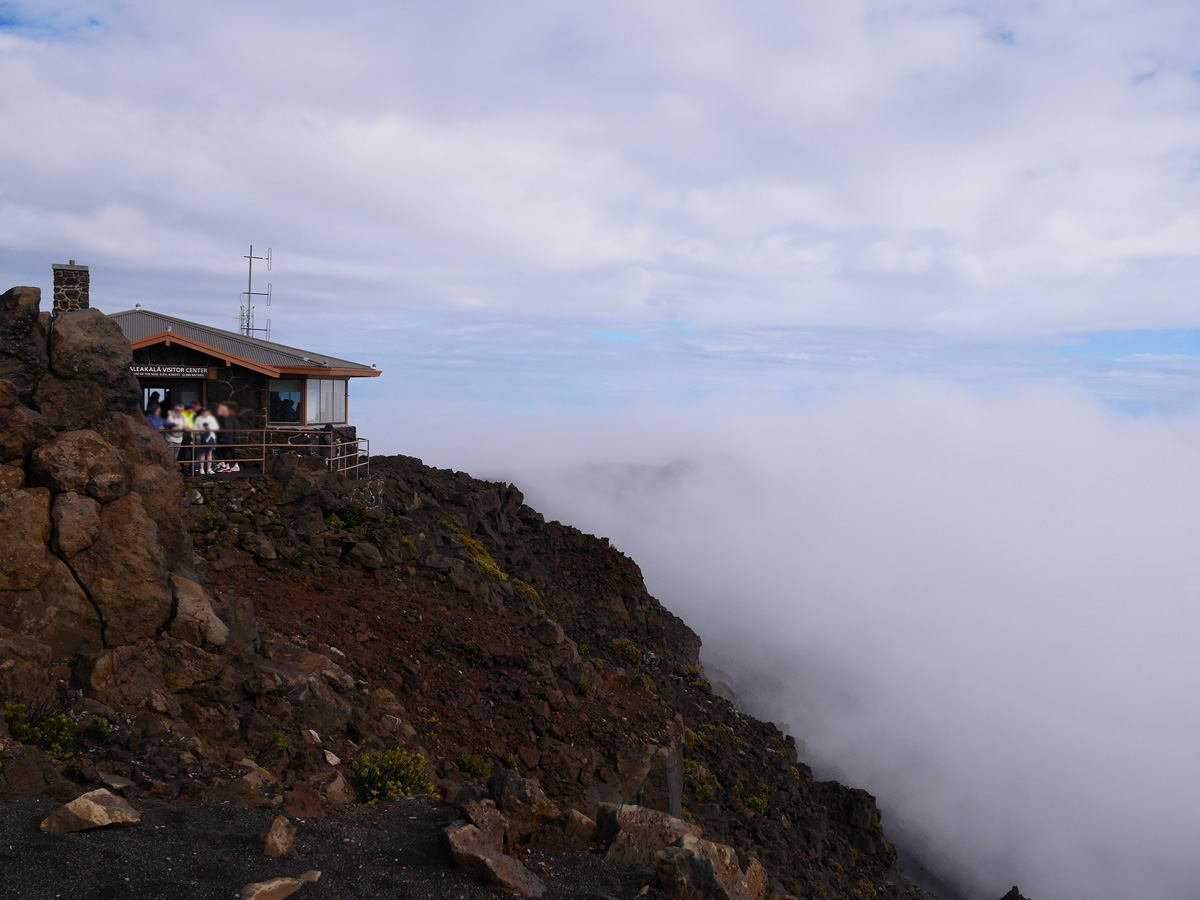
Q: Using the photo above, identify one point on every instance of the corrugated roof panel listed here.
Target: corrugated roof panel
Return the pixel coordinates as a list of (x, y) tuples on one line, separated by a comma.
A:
[(138, 324)]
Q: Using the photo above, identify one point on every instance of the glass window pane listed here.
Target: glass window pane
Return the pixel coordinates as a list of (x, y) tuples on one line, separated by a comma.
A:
[(283, 400), (339, 401), (313, 400), (326, 401)]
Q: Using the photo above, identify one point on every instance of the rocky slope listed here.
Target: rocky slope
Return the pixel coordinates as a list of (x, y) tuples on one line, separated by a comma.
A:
[(248, 642)]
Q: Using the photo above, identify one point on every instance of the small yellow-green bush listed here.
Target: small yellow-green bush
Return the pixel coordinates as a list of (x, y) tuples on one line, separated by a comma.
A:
[(629, 651), (527, 592), (54, 733), (475, 550), (473, 765), (388, 774)]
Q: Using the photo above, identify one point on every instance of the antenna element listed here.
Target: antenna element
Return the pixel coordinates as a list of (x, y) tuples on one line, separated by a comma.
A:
[(246, 314)]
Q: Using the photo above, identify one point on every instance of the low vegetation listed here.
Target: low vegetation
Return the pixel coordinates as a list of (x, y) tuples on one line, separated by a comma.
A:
[(388, 774)]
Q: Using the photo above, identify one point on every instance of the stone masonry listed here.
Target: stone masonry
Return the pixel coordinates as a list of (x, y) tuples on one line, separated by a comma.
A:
[(71, 284)]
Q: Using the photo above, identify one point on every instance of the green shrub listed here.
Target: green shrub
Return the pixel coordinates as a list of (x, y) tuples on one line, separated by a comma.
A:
[(527, 592), (475, 550), (335, 521), (473, 654), (54, 733), (213, 518), (628, 651), (473, 765), (388, 774), (271, 751), (98, 728), (582, 688), (706, 783)]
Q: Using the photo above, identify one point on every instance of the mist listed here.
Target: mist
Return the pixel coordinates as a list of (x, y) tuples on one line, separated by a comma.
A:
[(980, 608)]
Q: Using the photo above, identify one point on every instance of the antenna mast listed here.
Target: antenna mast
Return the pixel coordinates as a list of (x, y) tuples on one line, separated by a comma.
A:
[(246, 315)]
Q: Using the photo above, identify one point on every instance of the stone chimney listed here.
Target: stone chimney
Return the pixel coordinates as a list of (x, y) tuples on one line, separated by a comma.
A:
[(70, 287)]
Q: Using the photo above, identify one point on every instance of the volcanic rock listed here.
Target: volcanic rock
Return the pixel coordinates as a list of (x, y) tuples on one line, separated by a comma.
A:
[(474, 855), (279, 839), (76, 523), (277, 888), (692, 867), (640, 832), (523, 803), (124, 572), (88, 344), (94, 809), (195, 620), (492, 824)]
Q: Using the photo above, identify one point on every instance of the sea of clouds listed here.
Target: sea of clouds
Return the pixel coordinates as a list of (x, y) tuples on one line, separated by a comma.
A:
[(980, 608)]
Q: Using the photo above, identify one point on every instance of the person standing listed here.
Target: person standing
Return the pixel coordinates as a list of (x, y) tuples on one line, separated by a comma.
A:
[(174, 434), (204, 430), (227, 419)]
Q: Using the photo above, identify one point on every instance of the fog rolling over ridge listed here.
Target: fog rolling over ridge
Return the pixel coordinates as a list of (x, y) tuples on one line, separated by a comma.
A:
[(983, 610)]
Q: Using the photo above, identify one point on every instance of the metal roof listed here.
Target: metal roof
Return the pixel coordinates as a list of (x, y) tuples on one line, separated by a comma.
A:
[(139, 324)]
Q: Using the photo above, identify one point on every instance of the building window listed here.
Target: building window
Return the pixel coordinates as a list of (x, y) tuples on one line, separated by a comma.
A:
[(283, 404), (326, 401)]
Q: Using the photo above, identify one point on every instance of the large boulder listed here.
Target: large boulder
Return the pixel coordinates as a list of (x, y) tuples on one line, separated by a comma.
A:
[(652, 776), (21, 430), (124, 572), (474, 855), (38, 593), (639, 833), (82, 462), (58, 612), (122, 677), (88, 344), (24, 533), (522, 802), (76, 523), (95, 809), (152, 473), (22, 344), (693, 868), (24, 667), (68, 404), (195, 620)]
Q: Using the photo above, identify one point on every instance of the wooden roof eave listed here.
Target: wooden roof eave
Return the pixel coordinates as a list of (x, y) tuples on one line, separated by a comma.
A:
[(166, 338), (318, 372)]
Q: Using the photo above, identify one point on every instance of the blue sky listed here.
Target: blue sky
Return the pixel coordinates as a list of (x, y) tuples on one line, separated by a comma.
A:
[(808, 193)]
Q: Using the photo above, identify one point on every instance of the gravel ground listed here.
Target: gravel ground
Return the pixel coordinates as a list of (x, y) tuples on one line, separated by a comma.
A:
[(186, 852)]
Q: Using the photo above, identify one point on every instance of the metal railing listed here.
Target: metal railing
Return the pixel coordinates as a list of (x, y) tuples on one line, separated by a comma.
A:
[(250, 448)]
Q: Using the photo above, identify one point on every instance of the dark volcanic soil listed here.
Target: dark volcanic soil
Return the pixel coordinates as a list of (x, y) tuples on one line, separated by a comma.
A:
[(209, 853)]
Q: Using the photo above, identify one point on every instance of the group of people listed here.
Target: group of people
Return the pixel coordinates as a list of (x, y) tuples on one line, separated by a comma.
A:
[(201, 443)]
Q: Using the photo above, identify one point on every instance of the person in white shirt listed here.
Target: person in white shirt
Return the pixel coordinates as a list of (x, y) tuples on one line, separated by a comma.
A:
[(205, 428)]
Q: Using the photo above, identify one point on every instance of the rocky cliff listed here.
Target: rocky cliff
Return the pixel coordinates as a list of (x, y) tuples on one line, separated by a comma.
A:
[(254, 642)]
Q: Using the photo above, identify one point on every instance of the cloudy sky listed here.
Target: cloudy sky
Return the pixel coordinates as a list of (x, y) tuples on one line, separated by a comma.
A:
[(867, 328), (679, 198)]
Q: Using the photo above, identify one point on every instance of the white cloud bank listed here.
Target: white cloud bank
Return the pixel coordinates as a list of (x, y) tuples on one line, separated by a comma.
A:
[(983, 610)]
